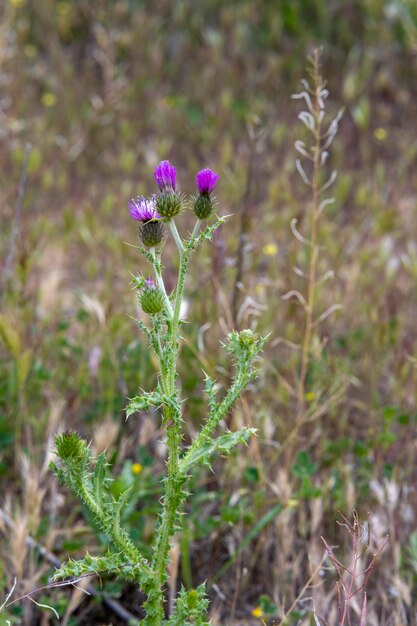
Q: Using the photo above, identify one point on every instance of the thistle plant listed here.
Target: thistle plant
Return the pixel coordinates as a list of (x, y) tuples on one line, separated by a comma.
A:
[(89, 478)]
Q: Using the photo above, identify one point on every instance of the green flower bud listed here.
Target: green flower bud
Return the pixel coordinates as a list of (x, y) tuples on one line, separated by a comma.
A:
[(244, 344), (192, 599), (203, 206), (70, 447), (151, 299), (151, 233), (168, 204)]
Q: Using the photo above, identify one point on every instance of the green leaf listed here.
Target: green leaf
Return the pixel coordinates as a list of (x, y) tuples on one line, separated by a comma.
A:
[(222, 445), (304, 466), (268, 606), (144, 403), (111, 563), (252, 474), (190, 608), (210, 390), (149, 400)]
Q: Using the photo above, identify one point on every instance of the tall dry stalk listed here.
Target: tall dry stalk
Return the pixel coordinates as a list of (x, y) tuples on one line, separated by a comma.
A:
[(316, 128), (311, 166)]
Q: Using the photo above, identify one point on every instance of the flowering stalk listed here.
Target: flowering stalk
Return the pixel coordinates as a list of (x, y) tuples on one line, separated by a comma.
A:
[(163, 332), (311, 166), (316, 113)]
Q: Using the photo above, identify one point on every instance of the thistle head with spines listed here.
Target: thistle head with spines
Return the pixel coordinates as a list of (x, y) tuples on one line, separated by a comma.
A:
[(157, 212)]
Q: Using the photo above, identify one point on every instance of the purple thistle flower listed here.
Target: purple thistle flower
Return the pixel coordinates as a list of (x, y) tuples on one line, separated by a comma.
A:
[(150, 283), (143, 210), (165, 176), (206, 180)]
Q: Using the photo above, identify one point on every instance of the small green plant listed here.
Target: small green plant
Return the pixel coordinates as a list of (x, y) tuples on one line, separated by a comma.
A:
[(88, 477)]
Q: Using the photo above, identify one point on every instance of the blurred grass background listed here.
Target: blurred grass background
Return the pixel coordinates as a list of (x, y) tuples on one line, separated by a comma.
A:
[(102, 91)]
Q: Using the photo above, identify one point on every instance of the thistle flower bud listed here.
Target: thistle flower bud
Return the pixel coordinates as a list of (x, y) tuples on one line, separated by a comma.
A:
[(244, 344), (151, 299), (70, 447), (165, 175), (203, 206), (168, 204), (168, 201), (206, 181), (152, 233)]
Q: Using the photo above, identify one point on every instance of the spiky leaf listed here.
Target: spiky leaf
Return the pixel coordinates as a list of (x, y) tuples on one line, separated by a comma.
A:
[(222, 445), (111, 563)]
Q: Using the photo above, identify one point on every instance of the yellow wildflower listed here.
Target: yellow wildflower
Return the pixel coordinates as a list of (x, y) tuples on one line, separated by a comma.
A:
[(257, 612), (48, 99), (380, 134), (136, 468), (270, 249), (291, 503)]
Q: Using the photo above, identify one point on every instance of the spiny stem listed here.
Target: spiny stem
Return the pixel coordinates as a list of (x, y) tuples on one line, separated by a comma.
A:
[(174, 343), (172, 502), (157, 268), (196, 229), (174, 231), (173, 494)]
